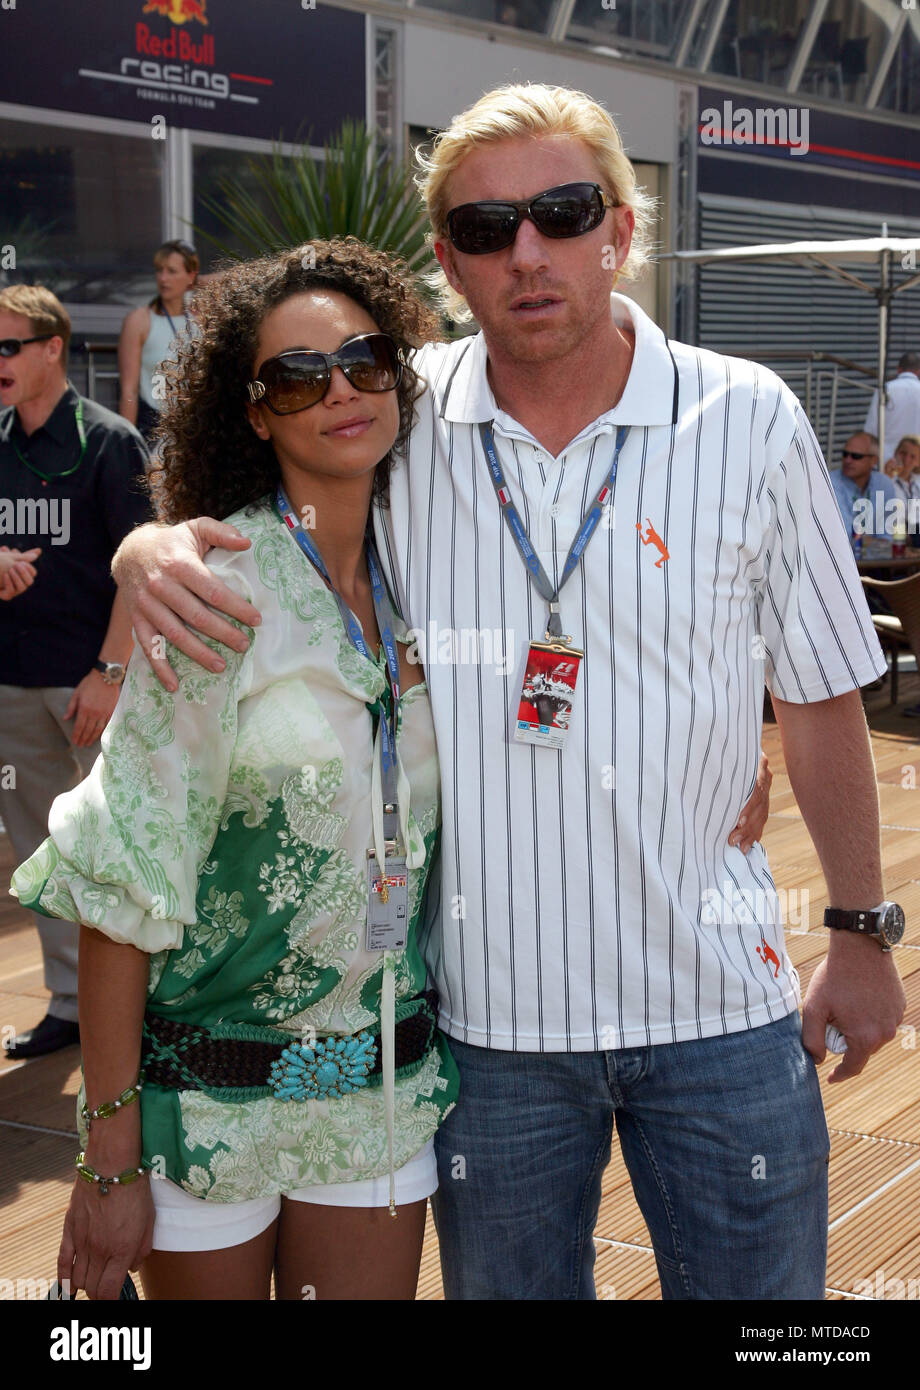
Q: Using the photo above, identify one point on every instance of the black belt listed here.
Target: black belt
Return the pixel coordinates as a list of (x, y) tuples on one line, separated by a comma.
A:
[(191, 1057)]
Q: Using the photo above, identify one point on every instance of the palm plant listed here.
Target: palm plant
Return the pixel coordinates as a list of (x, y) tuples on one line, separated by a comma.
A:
[(293, 199)]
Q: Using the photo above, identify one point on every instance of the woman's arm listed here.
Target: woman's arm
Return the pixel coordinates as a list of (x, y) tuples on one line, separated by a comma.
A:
[(105, 1236), (130, 346)]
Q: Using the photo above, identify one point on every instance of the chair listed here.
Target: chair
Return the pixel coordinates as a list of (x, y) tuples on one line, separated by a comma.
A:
[(898, 630)]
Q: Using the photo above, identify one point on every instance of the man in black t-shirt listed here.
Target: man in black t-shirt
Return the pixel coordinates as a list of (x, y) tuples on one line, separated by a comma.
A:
[(71, 488)]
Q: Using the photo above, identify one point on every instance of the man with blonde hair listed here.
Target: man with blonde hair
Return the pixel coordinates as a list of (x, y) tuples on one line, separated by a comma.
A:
[(656, 527), (69, 492)]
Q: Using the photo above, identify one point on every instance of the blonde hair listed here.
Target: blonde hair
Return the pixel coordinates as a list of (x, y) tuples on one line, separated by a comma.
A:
[(908, 439), (43, 309), (532, 108)]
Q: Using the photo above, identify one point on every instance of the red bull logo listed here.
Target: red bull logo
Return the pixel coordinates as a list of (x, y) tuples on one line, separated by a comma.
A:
[(178, 11)]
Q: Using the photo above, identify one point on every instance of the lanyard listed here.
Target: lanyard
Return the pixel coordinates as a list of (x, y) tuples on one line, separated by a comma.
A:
[(81, 435), (172, 326), (518, 530), (383, 609)]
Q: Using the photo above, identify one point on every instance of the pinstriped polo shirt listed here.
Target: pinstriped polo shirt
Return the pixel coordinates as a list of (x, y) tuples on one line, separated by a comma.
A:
[(589, 898)]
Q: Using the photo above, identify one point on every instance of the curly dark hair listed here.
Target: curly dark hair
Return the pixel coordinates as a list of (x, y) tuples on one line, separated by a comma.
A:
[(211, 462)]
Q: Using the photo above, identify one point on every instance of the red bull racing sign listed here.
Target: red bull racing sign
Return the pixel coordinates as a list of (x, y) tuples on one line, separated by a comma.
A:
[(232, 66)]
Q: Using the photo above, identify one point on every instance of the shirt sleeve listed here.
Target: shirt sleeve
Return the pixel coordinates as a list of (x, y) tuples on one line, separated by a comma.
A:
[(126, 846), (817, 631), (121, 489)]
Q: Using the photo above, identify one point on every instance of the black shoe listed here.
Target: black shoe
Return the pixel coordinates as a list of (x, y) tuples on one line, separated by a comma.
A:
[(48, 1036), (912, 711)]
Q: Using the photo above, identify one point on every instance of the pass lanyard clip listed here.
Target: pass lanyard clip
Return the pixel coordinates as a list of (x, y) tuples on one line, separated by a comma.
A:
[(589, 524)]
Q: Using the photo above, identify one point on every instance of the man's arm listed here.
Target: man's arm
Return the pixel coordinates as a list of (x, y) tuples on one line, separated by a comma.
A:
[(829, 761), (166, 588), (93, 701)]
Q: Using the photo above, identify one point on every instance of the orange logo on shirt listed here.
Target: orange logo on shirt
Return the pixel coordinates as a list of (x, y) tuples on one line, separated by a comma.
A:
[(654, 539), (769, 957)]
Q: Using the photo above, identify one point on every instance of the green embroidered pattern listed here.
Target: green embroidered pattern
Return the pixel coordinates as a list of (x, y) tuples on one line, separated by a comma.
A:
[(225, 833)]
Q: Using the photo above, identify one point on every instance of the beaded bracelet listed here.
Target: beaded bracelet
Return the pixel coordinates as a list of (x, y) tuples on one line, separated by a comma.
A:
[(111, 1107), (90, 1175)]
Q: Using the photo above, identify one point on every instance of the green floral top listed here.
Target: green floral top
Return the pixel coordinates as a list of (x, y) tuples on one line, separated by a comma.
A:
[(224, 830)]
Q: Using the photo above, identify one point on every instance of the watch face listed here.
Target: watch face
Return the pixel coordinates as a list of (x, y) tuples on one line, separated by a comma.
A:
[(891, 925), (114, 673)]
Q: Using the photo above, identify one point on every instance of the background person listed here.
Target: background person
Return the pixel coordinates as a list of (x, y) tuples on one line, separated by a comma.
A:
[(859, 480), (902, 411), (149, 336), (64, 635)]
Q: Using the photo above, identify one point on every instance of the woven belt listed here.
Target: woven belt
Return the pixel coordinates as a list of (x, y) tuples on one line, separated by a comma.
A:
[(235, 1057)]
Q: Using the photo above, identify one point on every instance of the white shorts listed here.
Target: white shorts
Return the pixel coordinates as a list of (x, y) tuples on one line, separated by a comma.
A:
[(184, 1222)]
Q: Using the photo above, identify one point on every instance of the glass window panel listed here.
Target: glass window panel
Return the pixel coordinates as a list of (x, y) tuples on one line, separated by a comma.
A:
[(901, 91), (758, 38), (518, 14), (209, 166), (82, 209), (648, 28), (848, 47)]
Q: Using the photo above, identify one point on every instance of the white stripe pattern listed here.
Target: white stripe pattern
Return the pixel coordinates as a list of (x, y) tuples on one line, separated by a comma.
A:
[(589, 898)]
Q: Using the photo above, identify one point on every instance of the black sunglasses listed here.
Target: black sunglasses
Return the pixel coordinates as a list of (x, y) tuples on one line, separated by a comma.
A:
[(297, 379), (10, 347), (848, 454), (573, 209)]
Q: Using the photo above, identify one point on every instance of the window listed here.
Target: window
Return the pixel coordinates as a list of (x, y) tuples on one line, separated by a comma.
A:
[(646, 28), (758, 38), (82, 210), (210, 165), (517, 14), (901, 91), (848, 47)]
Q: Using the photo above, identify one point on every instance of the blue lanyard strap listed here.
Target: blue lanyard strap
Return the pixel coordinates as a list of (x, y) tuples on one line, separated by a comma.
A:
[(386, 708), (589, 523)]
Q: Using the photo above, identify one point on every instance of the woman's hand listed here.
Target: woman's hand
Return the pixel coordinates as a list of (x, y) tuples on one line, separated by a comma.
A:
[(165, 586), (754, 813), (106, 1236)]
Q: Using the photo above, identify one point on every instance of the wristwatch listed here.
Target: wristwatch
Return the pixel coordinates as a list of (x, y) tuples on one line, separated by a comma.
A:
[(884, 923), (113, 673)]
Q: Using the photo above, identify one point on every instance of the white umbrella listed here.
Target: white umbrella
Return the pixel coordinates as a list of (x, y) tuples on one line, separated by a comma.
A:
[(828, 258)]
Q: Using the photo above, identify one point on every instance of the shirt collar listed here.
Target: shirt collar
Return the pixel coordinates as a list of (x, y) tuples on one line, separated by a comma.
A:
[(649, 397), (58, 424)]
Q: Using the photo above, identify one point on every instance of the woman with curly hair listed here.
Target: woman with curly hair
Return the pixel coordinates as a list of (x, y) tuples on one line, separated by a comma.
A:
[(249, 855)]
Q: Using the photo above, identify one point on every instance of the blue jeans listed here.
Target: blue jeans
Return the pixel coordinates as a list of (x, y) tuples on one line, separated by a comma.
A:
[(724, 1139)]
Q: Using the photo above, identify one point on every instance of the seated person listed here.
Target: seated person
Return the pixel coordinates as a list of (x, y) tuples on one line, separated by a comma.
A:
[(863, 491)]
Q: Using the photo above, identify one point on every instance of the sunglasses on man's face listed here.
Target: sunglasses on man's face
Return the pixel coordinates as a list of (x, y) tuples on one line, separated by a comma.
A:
[(848, 454), (299, 378), (573, 209), (10, 347)]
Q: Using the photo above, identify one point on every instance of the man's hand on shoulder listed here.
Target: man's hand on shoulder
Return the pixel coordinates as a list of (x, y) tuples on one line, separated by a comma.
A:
[(166, 587)]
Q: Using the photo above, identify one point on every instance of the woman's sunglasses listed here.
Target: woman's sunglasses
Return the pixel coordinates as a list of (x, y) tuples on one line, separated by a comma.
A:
[(297, 379), (567, 211)]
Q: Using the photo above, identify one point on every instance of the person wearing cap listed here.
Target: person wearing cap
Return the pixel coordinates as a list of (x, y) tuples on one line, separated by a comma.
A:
[(150, 336), (71, 473)]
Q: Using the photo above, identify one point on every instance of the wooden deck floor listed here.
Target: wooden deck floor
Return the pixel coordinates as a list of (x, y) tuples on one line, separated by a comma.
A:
[(874, 1119)]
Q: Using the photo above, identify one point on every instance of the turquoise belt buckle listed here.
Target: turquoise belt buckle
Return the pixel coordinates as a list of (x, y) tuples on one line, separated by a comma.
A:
[(327, 1068)]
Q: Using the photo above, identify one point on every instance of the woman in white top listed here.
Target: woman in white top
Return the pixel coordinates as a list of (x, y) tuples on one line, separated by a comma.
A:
[(148, 336)]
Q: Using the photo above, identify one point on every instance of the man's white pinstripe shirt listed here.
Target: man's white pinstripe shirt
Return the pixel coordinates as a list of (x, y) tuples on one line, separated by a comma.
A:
[(589, 898)]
